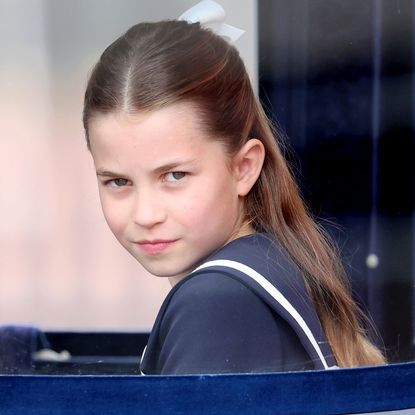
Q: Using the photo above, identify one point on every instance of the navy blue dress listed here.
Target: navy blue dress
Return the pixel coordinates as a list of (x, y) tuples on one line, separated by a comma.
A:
[(245, 310)]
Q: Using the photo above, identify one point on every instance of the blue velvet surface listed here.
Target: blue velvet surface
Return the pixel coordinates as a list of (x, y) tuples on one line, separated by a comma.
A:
[(316, 392)]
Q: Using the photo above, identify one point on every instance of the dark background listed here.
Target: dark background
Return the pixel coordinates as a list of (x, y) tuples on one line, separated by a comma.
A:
[(338, 78)]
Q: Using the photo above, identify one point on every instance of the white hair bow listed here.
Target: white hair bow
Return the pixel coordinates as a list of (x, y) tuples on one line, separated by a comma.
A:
[(212, 15)]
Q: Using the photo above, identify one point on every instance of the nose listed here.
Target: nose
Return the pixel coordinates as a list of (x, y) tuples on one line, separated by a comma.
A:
[(148, 209)]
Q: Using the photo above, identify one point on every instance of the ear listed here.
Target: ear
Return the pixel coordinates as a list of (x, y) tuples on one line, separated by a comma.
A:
[(248, 165)]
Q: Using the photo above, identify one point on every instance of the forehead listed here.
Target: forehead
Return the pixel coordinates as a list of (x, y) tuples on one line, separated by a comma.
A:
[(170, 123), (148, 137)]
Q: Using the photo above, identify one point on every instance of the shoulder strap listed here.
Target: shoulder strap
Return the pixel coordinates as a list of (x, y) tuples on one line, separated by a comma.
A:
[(280, 301)]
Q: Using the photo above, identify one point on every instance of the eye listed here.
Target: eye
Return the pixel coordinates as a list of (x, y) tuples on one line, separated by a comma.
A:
[(174, 176), (117, 182)]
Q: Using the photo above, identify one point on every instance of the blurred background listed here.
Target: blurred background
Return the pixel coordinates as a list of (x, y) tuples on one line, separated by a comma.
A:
[(337, 77)]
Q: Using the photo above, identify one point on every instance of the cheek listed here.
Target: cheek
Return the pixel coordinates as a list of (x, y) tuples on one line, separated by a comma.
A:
[(213, 201), (114, 214), (188, 208)]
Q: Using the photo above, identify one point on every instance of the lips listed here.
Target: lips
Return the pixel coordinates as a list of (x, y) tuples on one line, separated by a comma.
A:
[(155, 246)]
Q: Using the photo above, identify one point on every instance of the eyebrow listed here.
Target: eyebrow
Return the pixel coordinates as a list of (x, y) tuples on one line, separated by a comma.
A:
[(174, 164), (106, 173), (158, 170)]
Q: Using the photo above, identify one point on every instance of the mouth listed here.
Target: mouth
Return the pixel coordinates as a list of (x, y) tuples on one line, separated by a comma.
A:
[(156, 246)]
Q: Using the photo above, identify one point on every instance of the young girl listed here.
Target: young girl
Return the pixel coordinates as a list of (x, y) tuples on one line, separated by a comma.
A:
[(193, 184)]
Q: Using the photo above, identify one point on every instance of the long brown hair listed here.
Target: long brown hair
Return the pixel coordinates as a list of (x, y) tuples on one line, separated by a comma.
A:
[(156, 64)]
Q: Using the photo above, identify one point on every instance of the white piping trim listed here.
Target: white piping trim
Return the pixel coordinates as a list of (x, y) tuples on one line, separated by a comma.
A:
[(142, 357), (274, 292)]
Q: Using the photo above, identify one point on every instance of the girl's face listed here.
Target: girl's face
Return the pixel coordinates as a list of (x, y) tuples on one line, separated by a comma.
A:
[(170, 195)]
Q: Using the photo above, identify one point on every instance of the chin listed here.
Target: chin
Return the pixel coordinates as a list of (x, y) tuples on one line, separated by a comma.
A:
[(169, 271)]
